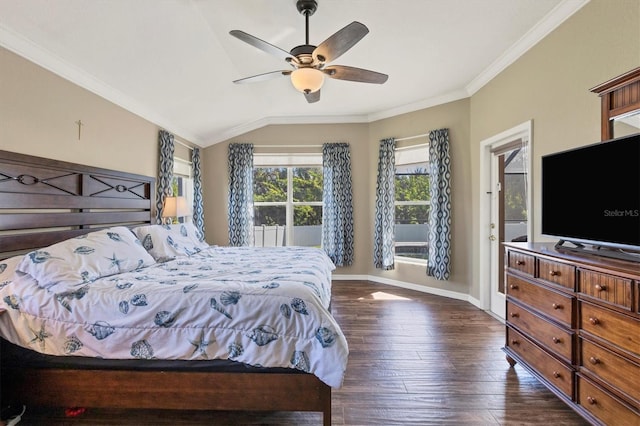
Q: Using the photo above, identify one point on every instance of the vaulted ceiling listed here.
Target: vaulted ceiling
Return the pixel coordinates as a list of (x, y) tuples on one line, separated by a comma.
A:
[(173, 61)]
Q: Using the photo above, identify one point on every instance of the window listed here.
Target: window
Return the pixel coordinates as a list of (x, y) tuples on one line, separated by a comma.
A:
[(182, 184), (412, 202), (287, 198)]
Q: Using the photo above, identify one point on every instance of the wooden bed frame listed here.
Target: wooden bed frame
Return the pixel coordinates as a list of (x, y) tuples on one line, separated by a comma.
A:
[(45, 201)]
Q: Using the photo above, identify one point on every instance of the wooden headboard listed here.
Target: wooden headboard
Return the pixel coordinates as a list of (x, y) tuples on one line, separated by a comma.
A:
[(44, 201)]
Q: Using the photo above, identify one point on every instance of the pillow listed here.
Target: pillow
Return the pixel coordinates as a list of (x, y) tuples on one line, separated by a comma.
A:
[(86, 258), (166, 242)]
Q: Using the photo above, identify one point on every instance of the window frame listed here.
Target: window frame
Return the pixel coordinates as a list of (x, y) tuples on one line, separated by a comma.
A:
[(398, 203), (288, 162)]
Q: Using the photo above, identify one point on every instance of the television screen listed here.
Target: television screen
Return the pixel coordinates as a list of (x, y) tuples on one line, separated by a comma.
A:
[(592, 194)]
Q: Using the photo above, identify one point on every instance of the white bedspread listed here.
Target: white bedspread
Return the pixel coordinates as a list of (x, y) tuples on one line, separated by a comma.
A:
[(260, 306)]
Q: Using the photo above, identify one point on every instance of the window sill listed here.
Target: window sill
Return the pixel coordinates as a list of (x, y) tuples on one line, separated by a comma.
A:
[(410, 260)]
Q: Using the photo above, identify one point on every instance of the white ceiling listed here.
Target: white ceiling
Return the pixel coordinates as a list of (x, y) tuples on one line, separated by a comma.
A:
[(173, 61)]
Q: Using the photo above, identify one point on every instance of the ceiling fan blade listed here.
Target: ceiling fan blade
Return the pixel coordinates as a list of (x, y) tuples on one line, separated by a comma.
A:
[(340, 42), (312, 97), (342, 72), (262, 45), (262, 77)]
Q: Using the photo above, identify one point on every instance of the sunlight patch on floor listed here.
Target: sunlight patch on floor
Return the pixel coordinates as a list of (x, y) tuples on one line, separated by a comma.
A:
[(381, 295)]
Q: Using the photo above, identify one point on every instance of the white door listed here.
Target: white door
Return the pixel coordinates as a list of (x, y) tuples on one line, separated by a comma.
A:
[(504, 212)]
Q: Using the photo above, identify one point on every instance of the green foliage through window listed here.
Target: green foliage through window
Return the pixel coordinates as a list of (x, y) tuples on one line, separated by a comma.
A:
[(412, 186), (271, 186)]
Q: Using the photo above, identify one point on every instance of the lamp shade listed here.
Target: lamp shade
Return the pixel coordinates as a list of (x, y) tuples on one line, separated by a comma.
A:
[(175, 207), (307, 80)]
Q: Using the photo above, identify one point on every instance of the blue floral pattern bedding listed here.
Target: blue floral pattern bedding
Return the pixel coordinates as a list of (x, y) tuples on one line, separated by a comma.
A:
[(260, 306)]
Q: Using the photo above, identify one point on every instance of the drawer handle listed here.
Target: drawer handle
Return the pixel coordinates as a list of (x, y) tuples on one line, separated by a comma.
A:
[(556, 306), (601, 287), (515, 342), (594, 320), (557, 375), (554, 273), (514, 315), (593, 360), (513, 287), (556, 340), (592, 400), (520, 262)]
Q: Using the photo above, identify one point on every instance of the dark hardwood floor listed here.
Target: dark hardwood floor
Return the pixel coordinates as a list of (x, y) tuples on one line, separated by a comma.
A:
[(414, 359)]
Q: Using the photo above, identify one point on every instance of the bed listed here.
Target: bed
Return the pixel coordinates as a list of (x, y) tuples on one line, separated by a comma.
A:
[(172, 323)]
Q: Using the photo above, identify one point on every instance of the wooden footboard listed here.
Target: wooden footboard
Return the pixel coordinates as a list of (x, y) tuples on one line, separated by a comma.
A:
[(167, 390)]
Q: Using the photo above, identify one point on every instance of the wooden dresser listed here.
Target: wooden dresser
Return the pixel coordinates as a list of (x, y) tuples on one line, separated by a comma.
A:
[(573, 321)]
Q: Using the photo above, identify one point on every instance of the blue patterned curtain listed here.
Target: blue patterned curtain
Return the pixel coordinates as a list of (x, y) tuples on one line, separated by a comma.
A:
[(198, 205), (439, 261), (240, 194), (337, 203), (165, 171), (385, 219)]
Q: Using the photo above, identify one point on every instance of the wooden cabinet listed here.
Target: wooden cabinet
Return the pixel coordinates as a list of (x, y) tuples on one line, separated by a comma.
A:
[(574, 322)]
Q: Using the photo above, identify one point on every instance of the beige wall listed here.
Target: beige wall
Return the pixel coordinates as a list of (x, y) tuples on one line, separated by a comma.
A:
[(38, 111), (550, 85)]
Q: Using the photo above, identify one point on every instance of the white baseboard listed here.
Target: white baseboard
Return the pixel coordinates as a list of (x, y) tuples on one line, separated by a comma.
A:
[(410, 286)]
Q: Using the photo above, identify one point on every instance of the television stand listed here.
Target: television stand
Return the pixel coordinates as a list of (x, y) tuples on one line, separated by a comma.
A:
[(573, 322), (598, 250)]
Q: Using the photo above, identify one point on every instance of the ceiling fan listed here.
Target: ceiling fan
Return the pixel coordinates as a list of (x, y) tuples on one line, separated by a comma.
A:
[(309, 62)]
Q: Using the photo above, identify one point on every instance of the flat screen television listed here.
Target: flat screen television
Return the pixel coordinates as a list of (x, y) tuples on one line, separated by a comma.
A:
[(591, 197)]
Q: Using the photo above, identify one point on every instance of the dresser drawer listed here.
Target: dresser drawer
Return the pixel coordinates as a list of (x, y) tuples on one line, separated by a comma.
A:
[(604, 406), (554, 304), (611, 368), (553, 337), (553, 371), (558, 273), (521, 262), (607, 288), (619, 329)]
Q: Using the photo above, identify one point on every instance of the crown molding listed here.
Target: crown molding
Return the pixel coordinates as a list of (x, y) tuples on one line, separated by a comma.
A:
[(416, 106)]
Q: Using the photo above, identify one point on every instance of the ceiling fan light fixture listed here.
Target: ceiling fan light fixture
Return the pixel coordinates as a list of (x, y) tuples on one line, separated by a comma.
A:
[(307, 80)]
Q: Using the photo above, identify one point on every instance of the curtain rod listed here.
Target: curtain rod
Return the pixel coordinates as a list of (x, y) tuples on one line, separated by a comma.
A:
[(412, 137)]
